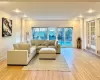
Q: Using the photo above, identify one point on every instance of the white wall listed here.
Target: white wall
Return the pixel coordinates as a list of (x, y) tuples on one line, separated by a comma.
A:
[(6, 43), (74, 24)]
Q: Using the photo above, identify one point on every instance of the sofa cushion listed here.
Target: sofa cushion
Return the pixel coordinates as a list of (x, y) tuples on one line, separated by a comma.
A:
[(33, 42), (51, 42), (39, 47), (40, 42), (51, 47), (15, 46), (32, 51), (37, 42), (24, 46), (46, 43)]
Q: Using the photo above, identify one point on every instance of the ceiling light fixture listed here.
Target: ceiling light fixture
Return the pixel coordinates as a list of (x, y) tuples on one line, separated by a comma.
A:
[(91, 11), (17, 11), (24, 16)]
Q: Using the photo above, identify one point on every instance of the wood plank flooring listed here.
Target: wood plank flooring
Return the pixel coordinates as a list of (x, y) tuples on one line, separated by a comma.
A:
[(83, 67)]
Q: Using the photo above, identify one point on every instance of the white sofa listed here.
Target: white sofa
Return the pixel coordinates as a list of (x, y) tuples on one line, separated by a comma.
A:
[(46, 44), (21, 55)]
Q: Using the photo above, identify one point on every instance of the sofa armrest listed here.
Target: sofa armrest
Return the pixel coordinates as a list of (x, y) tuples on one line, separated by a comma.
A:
[(56, 43), (17, 57), (58, 48)]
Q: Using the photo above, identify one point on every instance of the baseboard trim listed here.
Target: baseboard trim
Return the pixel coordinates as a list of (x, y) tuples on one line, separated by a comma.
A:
[(17, 64), (57, 53), (91, 53)]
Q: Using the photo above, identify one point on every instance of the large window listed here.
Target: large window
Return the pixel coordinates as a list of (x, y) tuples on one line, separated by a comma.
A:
[(43, 33), (63, 35), (35, 33), (68, 34), (52, 33), (39, 33), (60, 35)]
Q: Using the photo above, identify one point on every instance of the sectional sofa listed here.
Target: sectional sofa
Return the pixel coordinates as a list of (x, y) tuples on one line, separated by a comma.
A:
[(46, 43), (21, 54), (24, 52)]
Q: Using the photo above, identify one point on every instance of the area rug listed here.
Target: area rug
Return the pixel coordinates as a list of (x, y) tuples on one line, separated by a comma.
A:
[(58, 65)]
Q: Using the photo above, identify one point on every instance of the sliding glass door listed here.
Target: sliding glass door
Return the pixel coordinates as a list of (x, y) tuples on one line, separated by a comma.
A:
[(61, 36), (68, 36)]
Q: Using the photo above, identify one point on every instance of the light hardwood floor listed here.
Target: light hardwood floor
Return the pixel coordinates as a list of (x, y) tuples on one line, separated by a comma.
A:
[(83, 67)]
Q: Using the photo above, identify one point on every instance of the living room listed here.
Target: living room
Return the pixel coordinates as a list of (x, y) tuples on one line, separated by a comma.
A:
[(53, 57)]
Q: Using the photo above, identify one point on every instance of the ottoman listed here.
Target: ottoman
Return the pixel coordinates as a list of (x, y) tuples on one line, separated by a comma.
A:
[(47, 54)]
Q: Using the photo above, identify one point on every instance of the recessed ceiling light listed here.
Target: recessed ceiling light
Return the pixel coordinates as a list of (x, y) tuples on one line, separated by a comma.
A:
[(24, 16), (91, 11), (81, 16), (17, 11)]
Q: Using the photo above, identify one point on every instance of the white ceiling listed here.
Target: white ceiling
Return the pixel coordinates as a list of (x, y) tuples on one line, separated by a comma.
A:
[(51, 10)]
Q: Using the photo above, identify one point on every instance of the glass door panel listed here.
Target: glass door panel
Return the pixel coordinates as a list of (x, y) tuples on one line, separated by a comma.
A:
[(43, 34), (68, 36), (61, 36), (35, 33), (52, 33)]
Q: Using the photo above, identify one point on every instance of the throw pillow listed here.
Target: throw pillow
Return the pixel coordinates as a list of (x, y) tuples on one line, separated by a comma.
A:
[(51, 42), (45, 43), (39, 44)]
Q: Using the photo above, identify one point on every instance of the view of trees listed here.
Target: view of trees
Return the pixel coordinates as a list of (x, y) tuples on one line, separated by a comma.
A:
[(68, 34), (43, 33), (52, 33), (60, 34), (35, 33)]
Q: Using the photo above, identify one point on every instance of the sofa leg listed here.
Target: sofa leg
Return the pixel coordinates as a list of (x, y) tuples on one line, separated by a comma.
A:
[(47, 58), (57, 53)]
